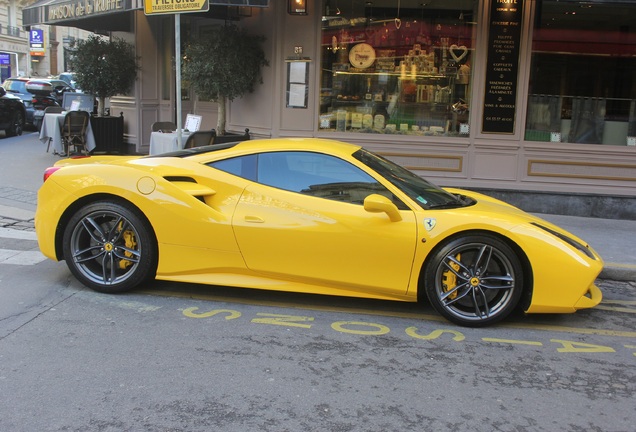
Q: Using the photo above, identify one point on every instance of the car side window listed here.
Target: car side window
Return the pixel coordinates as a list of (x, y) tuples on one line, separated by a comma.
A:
[(242, 166), (319, 175)]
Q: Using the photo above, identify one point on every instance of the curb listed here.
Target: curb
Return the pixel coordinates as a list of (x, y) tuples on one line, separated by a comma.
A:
[(619, 272), (16, 213)]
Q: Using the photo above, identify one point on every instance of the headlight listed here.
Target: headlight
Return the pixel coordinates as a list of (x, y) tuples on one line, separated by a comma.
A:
[(575, 244)]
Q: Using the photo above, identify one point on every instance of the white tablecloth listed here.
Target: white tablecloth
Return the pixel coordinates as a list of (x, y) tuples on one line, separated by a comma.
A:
[(162, 142), (52, 129)]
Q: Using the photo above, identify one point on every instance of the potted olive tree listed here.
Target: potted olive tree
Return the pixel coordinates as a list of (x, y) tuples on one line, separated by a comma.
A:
[(224, 64), (105, 68)]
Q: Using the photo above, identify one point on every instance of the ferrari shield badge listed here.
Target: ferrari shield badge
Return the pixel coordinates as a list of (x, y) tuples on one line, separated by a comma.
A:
[(429, 223)]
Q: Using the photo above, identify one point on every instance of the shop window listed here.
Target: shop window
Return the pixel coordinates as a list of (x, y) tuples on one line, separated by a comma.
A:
[(404, 69), (583, 73)]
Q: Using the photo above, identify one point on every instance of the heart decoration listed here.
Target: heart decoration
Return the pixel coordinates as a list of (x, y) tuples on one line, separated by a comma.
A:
[(457, 52), (398, 23)]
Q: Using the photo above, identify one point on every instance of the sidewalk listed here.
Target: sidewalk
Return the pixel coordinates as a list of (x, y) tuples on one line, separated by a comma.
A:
[(613, 239)]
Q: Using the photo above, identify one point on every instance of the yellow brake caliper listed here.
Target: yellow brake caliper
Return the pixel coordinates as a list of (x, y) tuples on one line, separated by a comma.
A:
[(129, 241), (449, 280)]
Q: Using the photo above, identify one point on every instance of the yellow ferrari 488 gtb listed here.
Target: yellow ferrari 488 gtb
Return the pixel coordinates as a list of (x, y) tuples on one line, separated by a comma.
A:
[(312, 216)]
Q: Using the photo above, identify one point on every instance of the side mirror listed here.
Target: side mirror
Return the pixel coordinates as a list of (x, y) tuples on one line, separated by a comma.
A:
[(2, 91), (375, 203)]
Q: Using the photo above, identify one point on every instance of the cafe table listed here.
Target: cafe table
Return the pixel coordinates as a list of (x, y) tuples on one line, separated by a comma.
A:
[(164, 142), (52, 125)]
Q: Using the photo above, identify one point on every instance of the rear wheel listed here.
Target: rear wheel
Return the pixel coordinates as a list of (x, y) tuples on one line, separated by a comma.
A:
[(17, 124), (474, 280), (109, 248)]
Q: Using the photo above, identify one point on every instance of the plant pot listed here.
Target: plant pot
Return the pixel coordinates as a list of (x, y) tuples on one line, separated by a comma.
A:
[(231, 137), (109, 134)]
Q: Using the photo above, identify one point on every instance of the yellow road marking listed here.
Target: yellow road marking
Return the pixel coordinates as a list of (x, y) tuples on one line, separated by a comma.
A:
[(570, 346), (618, 308), (457, 336), (283, 320), (376, 329), (627, 266), (615, 309), (621, 302), (191, 313), (392, 314), (512, 341)]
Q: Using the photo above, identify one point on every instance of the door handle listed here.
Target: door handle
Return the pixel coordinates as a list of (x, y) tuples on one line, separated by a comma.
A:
[(254, 219)]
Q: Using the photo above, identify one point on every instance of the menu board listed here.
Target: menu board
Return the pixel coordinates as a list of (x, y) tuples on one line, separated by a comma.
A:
[(502, 68)]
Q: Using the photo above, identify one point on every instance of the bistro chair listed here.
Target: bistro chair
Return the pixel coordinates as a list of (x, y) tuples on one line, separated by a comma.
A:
[(164, 126), (200, 138), (74, 131), (53, 110)]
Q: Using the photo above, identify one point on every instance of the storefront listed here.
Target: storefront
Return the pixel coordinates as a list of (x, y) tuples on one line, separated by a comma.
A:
[(507, 95)]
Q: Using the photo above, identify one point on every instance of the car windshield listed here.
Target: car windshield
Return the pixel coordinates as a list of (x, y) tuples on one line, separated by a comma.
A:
[(15, 86), (425, 193)]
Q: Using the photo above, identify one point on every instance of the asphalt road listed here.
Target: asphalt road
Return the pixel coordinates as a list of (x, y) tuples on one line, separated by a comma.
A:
[(178, 357)]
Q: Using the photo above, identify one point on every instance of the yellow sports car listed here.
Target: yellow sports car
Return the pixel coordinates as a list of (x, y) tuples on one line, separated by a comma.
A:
[(312, 216)]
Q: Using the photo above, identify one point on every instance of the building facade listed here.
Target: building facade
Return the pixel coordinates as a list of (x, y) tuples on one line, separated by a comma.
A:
[(533, 96), (37, 54)]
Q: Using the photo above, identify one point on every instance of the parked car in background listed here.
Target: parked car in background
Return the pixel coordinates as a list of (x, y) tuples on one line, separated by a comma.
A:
[(69, 78), (29, 89), (17, 87), (46, 93), (12, 113)]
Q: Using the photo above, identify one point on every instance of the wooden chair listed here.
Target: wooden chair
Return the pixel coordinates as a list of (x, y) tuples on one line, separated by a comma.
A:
[(52, 109), (74, 131), (165, 126), (200, 138)]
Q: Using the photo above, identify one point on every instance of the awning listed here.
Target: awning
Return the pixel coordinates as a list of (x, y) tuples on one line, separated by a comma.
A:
[(89, 14)]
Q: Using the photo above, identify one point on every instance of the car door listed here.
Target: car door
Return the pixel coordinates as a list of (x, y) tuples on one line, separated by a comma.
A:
[(304, 219), (6, 113)]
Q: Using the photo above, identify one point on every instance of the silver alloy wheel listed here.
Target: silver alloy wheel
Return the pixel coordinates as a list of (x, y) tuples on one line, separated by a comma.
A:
[(475, 281), (105, 247)]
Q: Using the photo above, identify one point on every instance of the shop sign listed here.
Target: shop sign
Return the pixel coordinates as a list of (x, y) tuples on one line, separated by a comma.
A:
[(5, 59), (152, 7), (36, 42), (82, 9), (502, 67), (36, 38)]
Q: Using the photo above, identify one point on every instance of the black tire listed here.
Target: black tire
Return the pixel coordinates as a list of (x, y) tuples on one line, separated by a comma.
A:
[(17, 125), (474, 281), (109, 247)]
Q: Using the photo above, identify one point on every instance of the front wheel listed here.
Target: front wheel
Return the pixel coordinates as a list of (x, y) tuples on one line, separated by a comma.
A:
[(475, 280), (109, 248)]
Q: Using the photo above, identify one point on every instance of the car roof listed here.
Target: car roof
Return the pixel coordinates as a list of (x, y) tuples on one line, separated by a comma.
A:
[(11, 96), (333, 147), (48, 81), (16, 85)]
